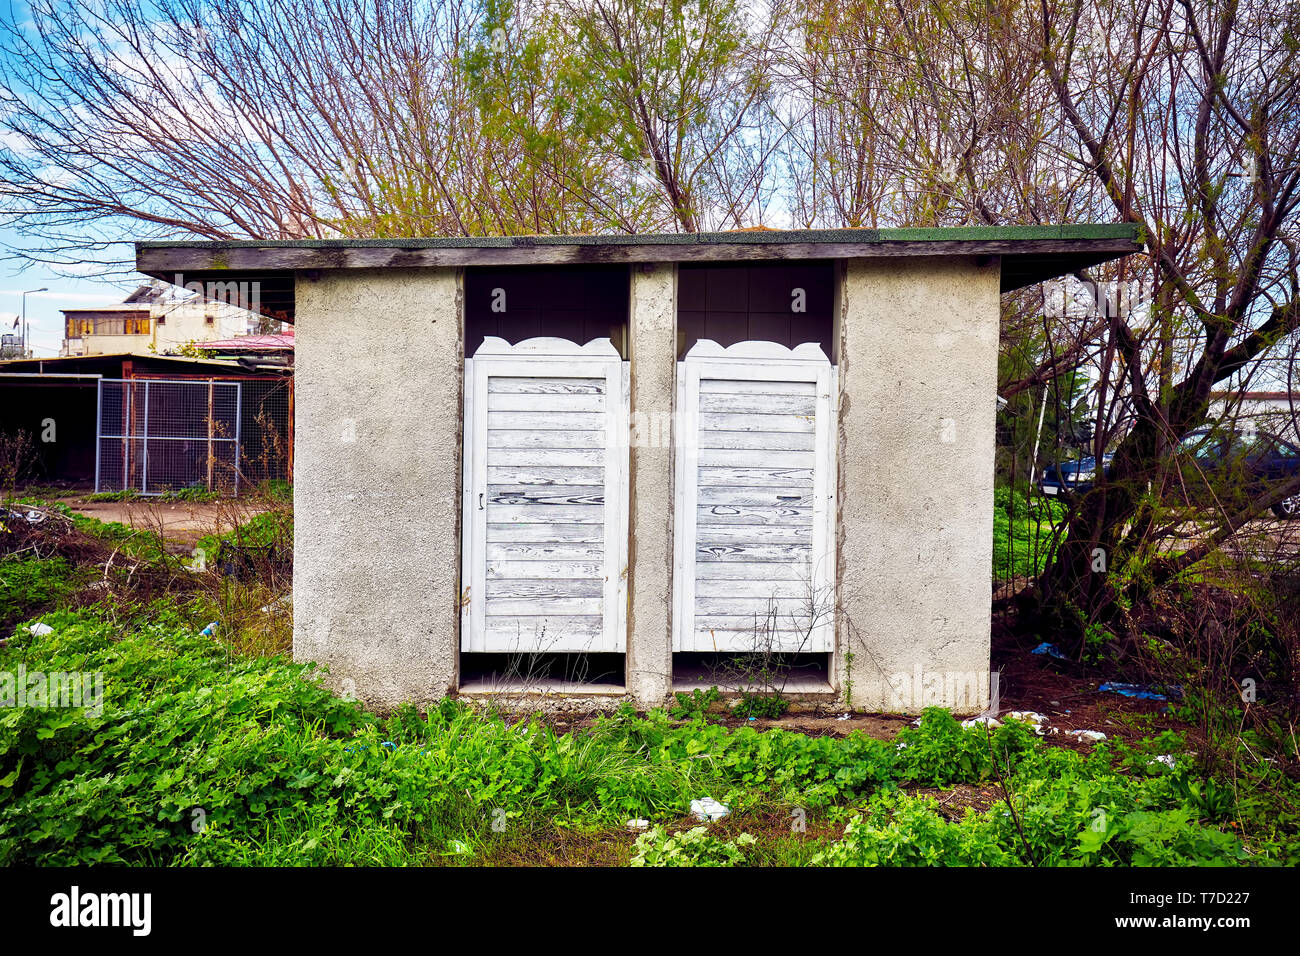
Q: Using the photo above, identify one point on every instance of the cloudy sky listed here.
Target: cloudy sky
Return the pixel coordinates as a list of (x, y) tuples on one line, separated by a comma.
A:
[(44, 319)]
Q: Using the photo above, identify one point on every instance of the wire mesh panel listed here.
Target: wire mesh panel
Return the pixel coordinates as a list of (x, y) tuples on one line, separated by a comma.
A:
[(266, 431), (160, 435)]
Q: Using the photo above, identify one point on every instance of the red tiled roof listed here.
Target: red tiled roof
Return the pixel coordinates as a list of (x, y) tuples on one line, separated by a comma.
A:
[(251, 343)]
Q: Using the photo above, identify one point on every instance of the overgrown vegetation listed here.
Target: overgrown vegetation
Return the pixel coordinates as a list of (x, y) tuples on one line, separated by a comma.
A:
[(1025, 533), (178, 494), (761, 705), (694, 847), (695, 703), (238, 577), (29, 583), (217, 749), (204, 757)]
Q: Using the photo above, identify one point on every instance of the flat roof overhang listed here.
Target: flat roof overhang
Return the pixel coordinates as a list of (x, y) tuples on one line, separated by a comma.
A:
[(110, 365), (1028, 254)]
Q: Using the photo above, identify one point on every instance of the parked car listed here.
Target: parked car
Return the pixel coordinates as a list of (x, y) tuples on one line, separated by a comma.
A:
[(1210, 461), (1221, 461), (1068, 478)]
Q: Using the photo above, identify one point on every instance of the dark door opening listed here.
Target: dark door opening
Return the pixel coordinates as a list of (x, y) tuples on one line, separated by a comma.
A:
[(579, 303), (787, 303)]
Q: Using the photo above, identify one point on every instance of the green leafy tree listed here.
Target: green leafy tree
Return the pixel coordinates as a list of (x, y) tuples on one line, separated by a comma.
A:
[(519, 72), (675, 89)]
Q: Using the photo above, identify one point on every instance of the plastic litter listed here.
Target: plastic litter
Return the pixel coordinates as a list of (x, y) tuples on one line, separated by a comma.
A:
[(31, 517), (638, 824), (1093, 735), (1051, 650), (707, 810), (1041, 723), (1166, 759), (210, 630), (279, 604), (1141, 691), (39, 630), (1029, 716), (981, 721)]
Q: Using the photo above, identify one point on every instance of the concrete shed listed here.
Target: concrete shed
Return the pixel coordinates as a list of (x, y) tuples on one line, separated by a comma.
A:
[(643, 456)]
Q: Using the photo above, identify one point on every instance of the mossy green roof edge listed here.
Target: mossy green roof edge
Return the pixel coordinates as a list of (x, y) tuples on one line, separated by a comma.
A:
[(1119, 230)]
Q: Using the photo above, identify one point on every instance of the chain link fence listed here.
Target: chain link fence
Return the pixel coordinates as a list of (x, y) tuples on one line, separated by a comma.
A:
[(167, 435)]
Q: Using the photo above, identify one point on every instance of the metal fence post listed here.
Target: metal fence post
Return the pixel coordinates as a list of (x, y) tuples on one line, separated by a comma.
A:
[(239, 417), (129, 394), (210, 468), (99, 427), (144, 466)]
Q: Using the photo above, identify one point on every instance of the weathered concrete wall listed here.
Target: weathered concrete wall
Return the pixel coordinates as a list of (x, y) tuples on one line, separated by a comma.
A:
[(377, 478), (918, 378), (114, 344), (378, 431), (652, 339)]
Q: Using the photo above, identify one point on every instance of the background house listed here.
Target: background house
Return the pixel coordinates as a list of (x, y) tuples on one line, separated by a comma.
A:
[(156, 318), (1274, 411)]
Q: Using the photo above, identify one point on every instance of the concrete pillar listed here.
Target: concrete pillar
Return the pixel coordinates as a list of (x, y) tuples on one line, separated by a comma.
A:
[(377, 490), (652, 347), (918, 379)]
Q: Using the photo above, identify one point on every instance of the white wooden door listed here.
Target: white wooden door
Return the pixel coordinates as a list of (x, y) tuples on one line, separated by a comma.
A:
[(755, 519), (544, 545)]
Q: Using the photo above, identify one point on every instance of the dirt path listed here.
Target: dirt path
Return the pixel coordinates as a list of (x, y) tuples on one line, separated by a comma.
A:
[(182, 522)]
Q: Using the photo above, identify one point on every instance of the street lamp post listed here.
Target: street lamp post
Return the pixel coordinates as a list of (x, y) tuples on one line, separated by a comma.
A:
[(25, 295)]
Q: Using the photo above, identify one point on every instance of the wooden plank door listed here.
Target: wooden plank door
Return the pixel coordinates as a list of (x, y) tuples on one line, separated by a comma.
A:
[(544, 545), (755, 511)]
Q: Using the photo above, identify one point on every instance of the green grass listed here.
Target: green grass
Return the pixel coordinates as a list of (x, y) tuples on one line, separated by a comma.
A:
[(261, 530), (206, 756), (48, 492), (29, 583), (277, 489), (179, 494), (1024, 537), (203, 757)]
